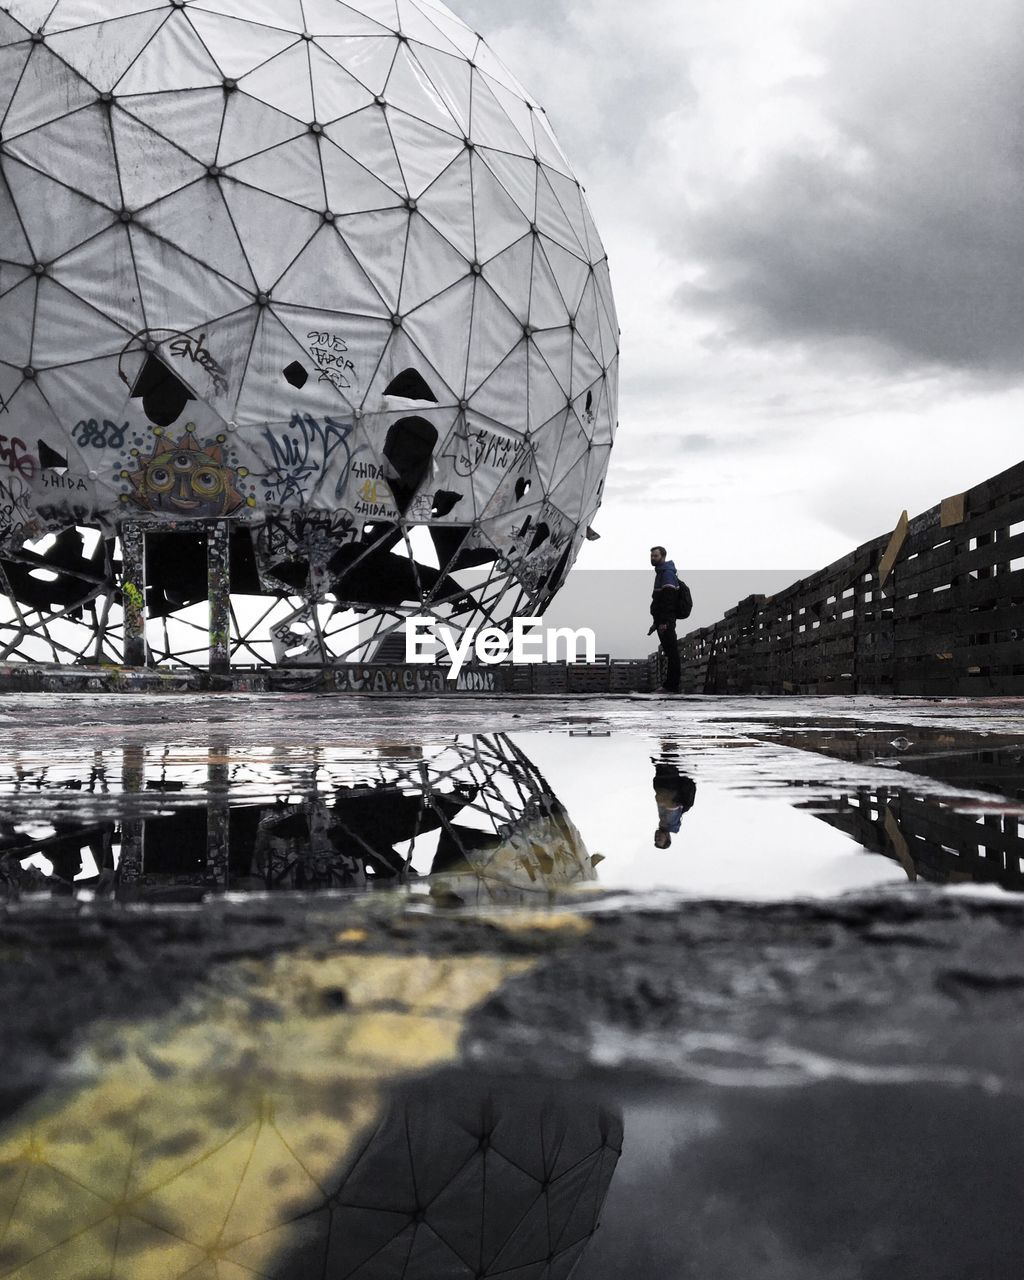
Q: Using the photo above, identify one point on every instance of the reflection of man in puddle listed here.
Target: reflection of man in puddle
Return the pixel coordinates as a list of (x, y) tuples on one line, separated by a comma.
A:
[(674, 793)]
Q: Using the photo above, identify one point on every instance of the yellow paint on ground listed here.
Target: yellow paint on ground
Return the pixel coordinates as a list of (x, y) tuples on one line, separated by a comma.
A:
[(573, 926), (202, 1143)]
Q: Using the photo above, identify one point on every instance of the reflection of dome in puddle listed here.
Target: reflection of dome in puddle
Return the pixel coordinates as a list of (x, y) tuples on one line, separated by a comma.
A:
[(459, 1179), (544, 853), (474, 818)]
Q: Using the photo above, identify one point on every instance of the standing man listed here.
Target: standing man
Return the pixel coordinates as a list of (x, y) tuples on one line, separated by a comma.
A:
[(663, 611)]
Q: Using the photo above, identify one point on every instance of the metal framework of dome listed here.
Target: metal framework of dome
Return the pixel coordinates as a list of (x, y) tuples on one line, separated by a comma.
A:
[(300, 299)]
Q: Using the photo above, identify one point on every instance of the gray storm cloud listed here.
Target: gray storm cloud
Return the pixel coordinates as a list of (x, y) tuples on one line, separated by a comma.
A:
[(901, 232)]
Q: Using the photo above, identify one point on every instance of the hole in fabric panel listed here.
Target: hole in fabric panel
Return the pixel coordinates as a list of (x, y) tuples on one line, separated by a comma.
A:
[(410, 385), (296, 375), (539, 538), (163, 394), (409, 448), (50, 459), (444, 504), (523, 487)]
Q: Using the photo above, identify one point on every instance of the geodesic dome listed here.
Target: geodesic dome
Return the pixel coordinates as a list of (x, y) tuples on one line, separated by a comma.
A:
[(317, 269)]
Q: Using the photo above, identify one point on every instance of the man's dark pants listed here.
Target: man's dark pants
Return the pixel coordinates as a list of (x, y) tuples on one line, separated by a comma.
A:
[(670, 648)]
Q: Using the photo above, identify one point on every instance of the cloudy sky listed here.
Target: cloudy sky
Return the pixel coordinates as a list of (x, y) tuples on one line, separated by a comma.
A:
[(812, 210)]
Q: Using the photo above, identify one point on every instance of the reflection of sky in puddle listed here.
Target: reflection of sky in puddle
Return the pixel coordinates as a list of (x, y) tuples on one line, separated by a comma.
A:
[(729, 845)]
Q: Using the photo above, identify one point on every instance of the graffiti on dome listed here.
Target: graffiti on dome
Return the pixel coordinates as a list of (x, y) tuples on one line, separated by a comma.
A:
[(185, 347), (411, 680), (15, 457), (470, 450), (60, 480), (186, 478), (13, 494), (330, 355), (300, 455), (92, 434)]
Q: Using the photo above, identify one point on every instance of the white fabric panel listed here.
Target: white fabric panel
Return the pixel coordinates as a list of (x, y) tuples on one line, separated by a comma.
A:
[(329, 18), (17, 314), (102, 273), (366, 138), (351, 188), (457, 33), (439, 329), (418, 25), (570, 197), (81, 13), (423, 151), (451, 79), (495, 333), (198, 218), (31, 14), (68, 329), (55, 150), (236, 46), (547, 396), (11, 274), (325, 276), (501, 397), (499, 222), (547, 308), (586, 368), (491, 126), (251, 127), (300, 158), (286, 14), (367, 59), (510, 275), (174, 45), (410, 89), (284, 83), (517, 175), (228, 342), (13, 245), (12, 62), (264, 395), (551, 217), (150, 168), (335, 92), (378, 242), (555, 346), (103, 52), (588, 323), (272, 231), (191, 120), (341, 353), (431, 265), (47, 90), (547, 147), (520, 112), (495, 69), (571, 273), (384, 12), (448, 206), (401, 354), (178, 292), (55, 218)]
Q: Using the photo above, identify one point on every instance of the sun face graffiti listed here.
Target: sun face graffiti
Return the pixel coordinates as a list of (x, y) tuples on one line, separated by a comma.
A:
[(186, 478)]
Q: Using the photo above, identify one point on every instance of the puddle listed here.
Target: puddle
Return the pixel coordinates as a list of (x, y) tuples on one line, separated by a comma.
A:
[(499, 819), (457, 1177)]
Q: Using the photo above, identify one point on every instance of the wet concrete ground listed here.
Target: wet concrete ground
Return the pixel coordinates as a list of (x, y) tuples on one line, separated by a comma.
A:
[(349, 987)]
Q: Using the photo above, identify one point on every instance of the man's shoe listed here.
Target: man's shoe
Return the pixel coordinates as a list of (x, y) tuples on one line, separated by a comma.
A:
[(665, 689)]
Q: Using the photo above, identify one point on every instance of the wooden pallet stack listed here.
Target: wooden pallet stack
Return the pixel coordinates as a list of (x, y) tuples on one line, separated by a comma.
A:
[(935, 607)]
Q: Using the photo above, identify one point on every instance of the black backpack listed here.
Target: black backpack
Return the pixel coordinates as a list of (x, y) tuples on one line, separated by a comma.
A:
[(684, 601)]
